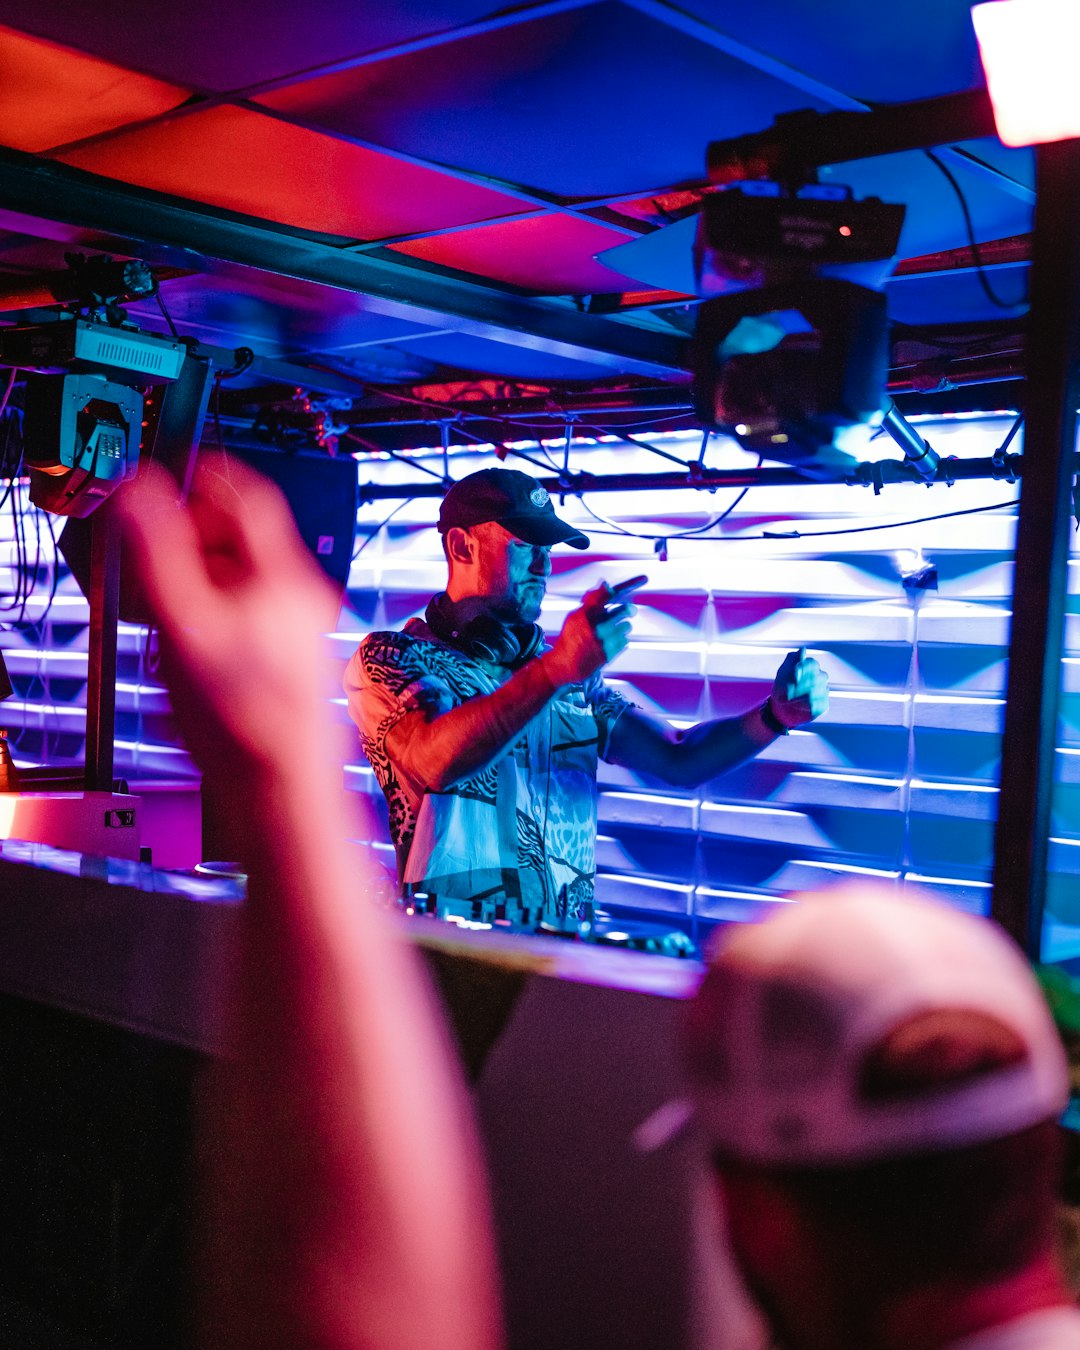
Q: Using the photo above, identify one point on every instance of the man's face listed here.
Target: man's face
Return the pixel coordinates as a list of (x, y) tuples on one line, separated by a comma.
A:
[(510, 574)]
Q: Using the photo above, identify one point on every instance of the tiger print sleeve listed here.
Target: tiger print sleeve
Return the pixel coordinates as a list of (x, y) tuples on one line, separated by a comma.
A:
[(608, 705), (386, 679)]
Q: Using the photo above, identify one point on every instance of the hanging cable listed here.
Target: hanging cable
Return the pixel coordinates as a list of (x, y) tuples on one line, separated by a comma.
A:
[(379, 528), (980, 269), (795, 534), (165, 314), (694, 532), (639, 445)]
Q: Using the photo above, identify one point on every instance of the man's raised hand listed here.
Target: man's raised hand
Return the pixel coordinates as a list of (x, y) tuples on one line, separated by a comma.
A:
[(800, 691), (593, 634)]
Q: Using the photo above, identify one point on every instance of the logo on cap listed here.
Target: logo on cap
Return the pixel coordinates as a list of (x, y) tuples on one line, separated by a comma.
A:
[(539, 497)]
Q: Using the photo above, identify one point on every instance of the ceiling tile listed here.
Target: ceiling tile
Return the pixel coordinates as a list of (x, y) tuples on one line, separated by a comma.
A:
[(958, 296), (51, 95), (278, 316), (230, 44), (595, 101), (879, 53), (549, 255), (514, 360), (261, 166)]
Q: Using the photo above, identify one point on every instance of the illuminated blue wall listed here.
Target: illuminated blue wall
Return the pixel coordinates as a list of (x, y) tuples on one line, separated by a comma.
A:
[(899, 779)]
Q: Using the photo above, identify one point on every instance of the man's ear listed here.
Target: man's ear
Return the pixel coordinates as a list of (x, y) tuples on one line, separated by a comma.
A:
[(460, 545)]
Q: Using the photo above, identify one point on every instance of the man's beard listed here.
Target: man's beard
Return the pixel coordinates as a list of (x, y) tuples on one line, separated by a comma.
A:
[(522, 606)]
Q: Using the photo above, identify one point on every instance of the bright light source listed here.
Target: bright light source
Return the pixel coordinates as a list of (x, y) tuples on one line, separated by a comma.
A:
[(1028, 50)]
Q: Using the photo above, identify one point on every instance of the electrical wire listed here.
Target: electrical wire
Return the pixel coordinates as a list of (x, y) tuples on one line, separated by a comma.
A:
[(551, 424), (536, 463), (639, 445), (886, 524), (7, 391), (990, 343), (980, 269), (380, 527), (165, 314), (793, 534), (393, 454), (691, 533)]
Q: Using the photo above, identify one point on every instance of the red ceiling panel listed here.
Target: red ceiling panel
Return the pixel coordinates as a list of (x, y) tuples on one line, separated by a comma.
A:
[(51, 95), (551, 255), (229, 44), (261, 166)]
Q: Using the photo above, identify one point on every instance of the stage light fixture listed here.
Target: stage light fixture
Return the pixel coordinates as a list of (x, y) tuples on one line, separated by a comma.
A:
[(791, 350), (83, 408), (1028, 50), (81, 437)]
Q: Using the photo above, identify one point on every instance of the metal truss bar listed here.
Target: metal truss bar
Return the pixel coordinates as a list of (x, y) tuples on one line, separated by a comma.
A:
[(811, 139), (528, 409), (673, 17), (194, 234), (389, 240), (993, 368), (1021, 846), (1007, 468), (101, 658)]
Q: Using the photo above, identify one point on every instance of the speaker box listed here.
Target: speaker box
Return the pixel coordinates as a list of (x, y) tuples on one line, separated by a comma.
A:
[(323, 496)]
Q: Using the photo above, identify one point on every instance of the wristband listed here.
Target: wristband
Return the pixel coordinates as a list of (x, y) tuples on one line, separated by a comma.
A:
[(772, 722)]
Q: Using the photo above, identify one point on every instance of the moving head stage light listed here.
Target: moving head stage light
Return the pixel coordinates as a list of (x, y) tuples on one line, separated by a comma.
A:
[(793, 347), (83, 409)]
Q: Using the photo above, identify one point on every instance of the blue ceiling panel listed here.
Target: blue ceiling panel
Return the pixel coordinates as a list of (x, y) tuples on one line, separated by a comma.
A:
[(277, 316), (597, 101), (934, 219), (957, 297), (883, 53), (514, 360)]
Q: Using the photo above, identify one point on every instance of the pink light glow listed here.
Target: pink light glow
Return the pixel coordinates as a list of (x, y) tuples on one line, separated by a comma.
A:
[(1028, 50)]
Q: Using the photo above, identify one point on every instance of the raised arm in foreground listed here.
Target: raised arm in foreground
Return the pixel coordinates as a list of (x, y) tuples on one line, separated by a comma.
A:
[(344, 1199)]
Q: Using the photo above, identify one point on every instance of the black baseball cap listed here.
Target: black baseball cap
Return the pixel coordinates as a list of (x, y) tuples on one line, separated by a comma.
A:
[(514, 500)]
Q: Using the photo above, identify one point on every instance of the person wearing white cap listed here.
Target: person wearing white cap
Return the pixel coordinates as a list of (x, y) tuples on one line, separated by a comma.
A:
[(878, 1080)]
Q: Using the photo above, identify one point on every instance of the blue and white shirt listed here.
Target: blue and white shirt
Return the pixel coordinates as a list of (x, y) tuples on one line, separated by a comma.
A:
[(517, 840)]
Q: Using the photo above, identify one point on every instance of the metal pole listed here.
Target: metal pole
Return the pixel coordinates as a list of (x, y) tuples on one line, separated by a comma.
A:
[(1035, 646), (702, 478), (101, 660)]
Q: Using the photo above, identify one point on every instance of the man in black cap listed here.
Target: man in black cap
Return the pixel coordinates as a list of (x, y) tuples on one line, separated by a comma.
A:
[(485, 740)]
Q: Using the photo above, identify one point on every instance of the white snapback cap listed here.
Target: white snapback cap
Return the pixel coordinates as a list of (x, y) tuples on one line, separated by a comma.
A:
[(791, 1009)]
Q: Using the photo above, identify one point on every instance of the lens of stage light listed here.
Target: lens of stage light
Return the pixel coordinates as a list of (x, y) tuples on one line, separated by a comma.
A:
[(1029, 50)]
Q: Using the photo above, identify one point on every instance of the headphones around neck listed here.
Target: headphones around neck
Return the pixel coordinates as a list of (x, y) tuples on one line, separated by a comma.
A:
[(484, 638)]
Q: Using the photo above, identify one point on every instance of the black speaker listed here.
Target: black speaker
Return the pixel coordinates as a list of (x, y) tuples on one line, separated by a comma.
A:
[(322, 493)]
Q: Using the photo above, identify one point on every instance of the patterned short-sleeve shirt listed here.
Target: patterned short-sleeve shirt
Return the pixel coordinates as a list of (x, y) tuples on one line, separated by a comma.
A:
[(517, 839)]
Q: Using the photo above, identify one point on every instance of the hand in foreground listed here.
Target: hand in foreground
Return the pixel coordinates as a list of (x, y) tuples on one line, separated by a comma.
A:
[(593, 634), (241, 608), (800, 691)]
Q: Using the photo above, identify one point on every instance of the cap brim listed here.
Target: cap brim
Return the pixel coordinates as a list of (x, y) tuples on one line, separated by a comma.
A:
[(544, 530)]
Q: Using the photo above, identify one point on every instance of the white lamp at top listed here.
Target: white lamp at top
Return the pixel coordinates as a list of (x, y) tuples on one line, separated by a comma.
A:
[(1030, 51)]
